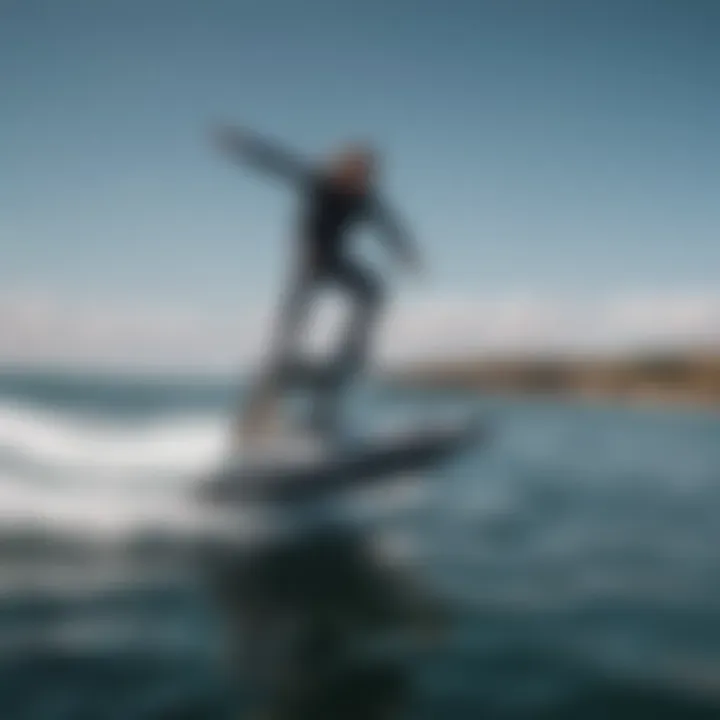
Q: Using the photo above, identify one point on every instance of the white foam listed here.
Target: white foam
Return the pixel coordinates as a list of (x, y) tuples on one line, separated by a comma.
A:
[(99, 477), (81, 475), (179, 443), (101, 511)]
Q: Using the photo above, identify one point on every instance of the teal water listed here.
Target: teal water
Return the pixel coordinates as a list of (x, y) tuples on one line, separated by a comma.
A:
[(569, 568)]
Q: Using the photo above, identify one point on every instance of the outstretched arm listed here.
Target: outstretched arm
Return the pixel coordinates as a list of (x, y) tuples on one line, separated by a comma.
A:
[(394, 233), (261, 153)]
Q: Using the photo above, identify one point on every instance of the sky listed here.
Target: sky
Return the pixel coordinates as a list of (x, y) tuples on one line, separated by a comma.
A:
[(556, 160)]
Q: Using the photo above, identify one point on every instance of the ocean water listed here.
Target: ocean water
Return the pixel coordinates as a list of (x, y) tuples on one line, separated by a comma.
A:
[(567, 568)]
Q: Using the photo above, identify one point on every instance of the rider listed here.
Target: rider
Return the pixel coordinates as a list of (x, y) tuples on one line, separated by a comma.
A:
[(336, 196)]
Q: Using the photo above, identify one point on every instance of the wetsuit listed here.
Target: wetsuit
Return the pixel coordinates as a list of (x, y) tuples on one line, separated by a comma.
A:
[(329, 212)]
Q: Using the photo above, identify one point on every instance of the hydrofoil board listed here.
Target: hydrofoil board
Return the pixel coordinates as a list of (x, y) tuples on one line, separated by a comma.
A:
[(287, 474)]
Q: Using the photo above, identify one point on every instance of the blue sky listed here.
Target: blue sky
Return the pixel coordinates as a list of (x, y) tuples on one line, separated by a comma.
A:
[(554, 146)]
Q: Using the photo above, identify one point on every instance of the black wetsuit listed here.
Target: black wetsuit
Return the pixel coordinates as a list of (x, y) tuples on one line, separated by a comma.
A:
[(329, 212)]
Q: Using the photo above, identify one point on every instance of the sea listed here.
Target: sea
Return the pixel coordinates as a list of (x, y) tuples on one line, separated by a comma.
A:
[(568, 566)]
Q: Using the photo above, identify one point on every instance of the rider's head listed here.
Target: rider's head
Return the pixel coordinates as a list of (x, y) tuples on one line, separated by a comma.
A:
[(354, 166)]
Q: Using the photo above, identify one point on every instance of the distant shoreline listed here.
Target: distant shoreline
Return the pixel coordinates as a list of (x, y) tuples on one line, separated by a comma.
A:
[(657, 379)]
